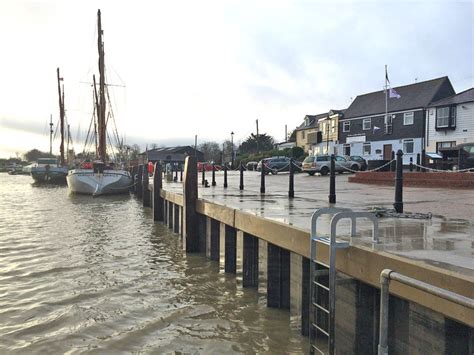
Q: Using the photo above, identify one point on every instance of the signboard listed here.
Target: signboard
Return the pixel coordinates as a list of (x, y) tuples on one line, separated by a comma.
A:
[(355, 139)]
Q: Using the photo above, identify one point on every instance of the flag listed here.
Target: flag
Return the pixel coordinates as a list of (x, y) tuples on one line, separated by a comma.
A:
[(392, 93), (376, 129)]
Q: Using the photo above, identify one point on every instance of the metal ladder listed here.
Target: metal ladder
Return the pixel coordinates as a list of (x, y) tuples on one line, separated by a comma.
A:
[(323, 276)]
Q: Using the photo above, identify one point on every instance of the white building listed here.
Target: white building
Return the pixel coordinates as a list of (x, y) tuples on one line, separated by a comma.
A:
[(450, 121)]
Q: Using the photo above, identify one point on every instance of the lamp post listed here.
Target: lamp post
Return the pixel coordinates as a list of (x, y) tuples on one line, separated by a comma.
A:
[(328, 124), (232, 143)]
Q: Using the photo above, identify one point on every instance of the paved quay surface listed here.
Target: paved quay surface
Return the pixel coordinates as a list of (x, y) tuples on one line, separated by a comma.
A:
[(446, 240)]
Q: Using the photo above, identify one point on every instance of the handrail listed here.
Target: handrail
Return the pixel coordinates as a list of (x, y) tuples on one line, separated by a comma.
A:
[(385, 277)]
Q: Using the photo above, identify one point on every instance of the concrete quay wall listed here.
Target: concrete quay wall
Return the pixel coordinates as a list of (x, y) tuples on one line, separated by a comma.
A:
[(272, 258)]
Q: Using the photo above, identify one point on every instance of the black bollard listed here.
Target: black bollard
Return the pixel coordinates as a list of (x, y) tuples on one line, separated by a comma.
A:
[(423, 161), (418, 161), (393, 164), (241, 186), (225, 175), (291, 189), (203, 167), (262, 179), (213, 174), (332, 180), (398, 205), (411, 164)]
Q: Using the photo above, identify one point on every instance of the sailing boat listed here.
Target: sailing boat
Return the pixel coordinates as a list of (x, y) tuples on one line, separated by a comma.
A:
[(48, 169), (100, 178)]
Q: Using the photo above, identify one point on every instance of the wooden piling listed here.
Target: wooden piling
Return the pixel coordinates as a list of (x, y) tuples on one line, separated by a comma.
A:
[(145, 183), (157, 199), (190, 195)]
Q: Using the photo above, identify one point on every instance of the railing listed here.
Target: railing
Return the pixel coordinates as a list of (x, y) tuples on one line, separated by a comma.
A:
[(385, 277)]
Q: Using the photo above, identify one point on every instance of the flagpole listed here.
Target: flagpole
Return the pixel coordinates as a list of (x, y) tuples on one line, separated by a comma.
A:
[(386, 98)]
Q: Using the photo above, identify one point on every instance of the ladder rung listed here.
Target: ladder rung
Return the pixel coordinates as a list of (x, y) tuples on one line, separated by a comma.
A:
[(321, 285), (317, 349), (321, 307), (321, 330), (320, 263), (327, 241)]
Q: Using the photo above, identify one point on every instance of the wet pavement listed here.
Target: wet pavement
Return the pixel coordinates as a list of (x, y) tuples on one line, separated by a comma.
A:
[(446, 240)]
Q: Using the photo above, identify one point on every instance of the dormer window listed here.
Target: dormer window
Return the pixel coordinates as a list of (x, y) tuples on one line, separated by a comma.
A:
[(446, 117), (306, 121)]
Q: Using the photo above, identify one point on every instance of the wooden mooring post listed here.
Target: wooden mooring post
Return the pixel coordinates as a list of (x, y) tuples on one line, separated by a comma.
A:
[(190, 194), (157, 199), (146, 191)]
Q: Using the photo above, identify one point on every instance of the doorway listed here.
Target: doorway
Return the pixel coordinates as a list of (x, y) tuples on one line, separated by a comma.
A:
[(387, 152)]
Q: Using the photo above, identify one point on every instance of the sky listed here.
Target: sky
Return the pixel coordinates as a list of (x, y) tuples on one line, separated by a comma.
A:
[(209, 68)]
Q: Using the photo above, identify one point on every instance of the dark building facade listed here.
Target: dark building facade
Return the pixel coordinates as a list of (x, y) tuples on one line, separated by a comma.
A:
[(366, 131)]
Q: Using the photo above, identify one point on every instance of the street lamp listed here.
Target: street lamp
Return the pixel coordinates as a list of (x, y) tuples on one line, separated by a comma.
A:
[(232, 143)]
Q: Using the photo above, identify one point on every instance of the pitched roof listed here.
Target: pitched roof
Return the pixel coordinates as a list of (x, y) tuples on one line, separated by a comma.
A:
[(313, 119), (412, 96), (462, 97)]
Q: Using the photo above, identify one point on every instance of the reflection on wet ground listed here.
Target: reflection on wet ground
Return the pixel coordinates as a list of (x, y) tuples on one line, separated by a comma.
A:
[(447, 239)]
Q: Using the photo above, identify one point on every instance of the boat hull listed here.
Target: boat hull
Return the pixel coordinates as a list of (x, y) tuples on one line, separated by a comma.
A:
[(85, 181), (49, 175)]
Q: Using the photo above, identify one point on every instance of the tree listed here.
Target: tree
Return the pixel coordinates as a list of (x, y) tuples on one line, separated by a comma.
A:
[(227, 150), (35, 154), (292, 136), (211, 151), (254, 144)]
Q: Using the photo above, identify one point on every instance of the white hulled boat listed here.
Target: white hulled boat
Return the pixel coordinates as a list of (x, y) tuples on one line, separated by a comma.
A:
[(98, 178)]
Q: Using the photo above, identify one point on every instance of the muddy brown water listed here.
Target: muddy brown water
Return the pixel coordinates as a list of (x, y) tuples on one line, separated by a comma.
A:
[(96, 275)]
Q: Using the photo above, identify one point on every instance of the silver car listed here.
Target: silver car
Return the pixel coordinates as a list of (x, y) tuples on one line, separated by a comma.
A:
[(322, 164)]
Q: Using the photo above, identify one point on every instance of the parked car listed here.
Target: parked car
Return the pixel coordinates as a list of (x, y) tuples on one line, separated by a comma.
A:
[(207, 166), (322, 164), (275, 165), (358, 159)]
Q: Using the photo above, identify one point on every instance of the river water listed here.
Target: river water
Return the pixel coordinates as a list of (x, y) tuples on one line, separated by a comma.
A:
[(96, 275)]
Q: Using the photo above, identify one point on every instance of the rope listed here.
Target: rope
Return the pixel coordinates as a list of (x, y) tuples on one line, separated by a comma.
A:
[(366, 171), (444, 171), (387, 212)]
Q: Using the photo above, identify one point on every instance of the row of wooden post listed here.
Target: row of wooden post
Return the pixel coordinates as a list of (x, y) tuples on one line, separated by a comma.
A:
[(190, 190)]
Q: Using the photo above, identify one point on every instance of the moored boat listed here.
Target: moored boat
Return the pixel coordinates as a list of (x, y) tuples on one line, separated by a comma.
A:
[(48, 170), (99, 179)]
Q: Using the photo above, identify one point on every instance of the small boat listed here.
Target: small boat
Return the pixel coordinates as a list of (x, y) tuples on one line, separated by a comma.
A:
[(48, 170), (100, 178)]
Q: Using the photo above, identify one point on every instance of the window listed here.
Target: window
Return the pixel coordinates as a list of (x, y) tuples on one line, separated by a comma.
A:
[(302, 134), (442, 117), (339, 158), (366, 124), (408, 146), (366, 149), (346, 126), (446, 117), (445, 145), (408, 118)]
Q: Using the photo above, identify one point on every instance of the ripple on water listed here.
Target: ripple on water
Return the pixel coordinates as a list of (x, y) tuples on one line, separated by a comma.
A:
[(82, 274)]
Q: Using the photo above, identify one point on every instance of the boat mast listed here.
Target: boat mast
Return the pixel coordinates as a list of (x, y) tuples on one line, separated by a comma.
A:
[(61, 118), (97, 109), (101, 113), (50, 134)]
